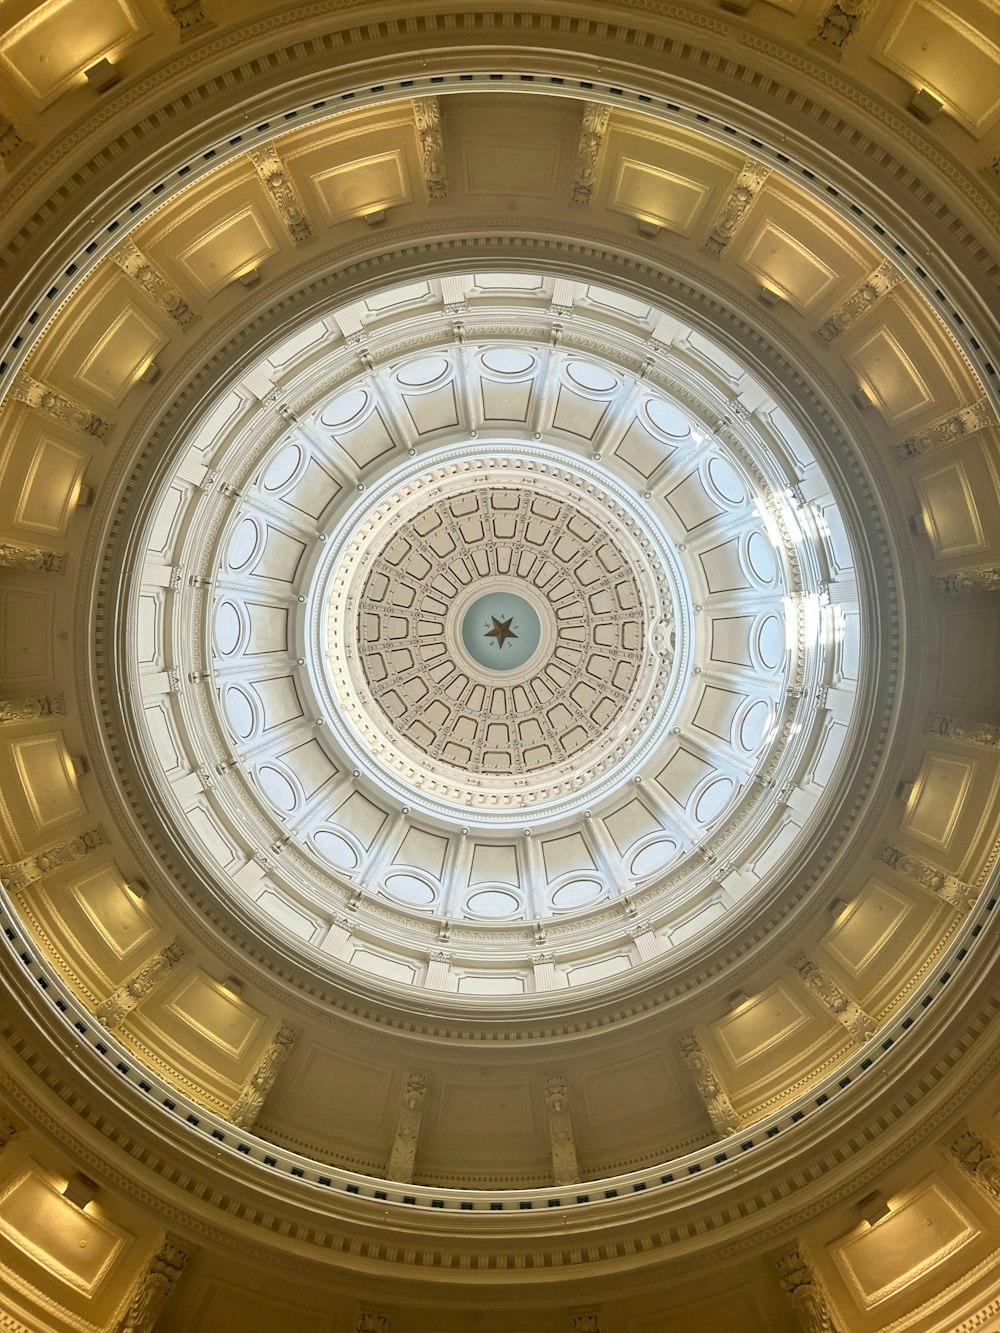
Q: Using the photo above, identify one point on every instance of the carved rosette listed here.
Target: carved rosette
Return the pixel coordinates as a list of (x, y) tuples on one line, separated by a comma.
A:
[(949, 887), (589, 152), (839, 23), (146, 275), (31, 559), (735, 207), (189, 16), (947, 431), (873, 289), (430, 145), (960, 729), (58, 406), (805, 1293), (977, 1159), (965, 582), (11, 138), (282, 192), (116, 1008), (19, 874), (29, 708), (848, 1012), (156, 1285), (720, 1109), (565, 1167), (251, 1100), (403, 1153)]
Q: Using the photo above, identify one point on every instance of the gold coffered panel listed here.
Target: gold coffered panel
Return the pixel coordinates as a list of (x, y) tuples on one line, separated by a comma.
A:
[(953, 51), (924, 1229), (355, 912), (47, 52)]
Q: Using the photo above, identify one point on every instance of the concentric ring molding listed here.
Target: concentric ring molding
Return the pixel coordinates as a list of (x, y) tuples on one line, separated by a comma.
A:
[(644, 847)]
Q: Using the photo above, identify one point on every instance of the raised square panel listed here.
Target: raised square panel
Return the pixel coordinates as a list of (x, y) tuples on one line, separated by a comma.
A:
[(227, 1308), (772, 1017), (70, 1244), (215, 1014), (279, 909), (682, 773), (629, 1088), (205, 825), (947, 49), (234, 245), (380, 965), (126, 347), (354, 188), (489, 1110), (919, 1234), (652, 193), (481, 983), (968, 638), (606, 967), (949, 509), (741, 1311), (563, 855), (354, 1087), (885, 368), (423, 851), (935, 806), (47, 52), (788, 266), (47, 778), (529, 166), (868, 927), (119, 918), (26, 634), (630, 822), (50, 487)]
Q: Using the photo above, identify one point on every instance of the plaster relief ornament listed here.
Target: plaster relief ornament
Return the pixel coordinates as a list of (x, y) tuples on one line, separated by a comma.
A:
[(496, 631)]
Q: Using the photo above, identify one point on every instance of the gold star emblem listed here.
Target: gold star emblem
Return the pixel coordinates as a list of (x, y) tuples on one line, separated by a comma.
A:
[(501, 631)]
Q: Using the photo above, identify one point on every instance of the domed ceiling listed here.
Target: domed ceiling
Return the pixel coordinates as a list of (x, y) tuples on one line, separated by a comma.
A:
[(507, 767), (499, 632)]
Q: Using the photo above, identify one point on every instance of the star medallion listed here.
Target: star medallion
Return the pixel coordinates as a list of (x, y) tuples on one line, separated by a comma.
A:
[(501, 631)]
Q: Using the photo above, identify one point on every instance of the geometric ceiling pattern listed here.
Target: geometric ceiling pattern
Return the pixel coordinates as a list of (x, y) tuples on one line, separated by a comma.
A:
[(699, 646), (499, 527)]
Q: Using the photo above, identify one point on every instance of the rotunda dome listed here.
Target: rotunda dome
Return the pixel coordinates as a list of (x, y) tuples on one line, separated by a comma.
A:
[(498, 815)]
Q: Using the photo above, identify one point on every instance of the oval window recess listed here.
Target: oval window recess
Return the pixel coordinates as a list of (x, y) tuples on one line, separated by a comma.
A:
[(725, 481), (760, 558), (771, 642), (492, 902), (276, 787), (410, 890), (243, 544), (283, 469), (754, 724), (585, 375), (712, 801), (667, 420), (345, 408), (239, 711), (507, 360), (337, 850), (578, 893), (652, 858), (419, 374), (228, 628)]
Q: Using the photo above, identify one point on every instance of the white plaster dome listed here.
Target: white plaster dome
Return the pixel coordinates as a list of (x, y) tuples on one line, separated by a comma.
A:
[(653, 766)]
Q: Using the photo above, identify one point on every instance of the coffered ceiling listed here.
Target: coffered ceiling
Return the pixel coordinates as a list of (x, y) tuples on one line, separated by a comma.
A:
[(646, 986)]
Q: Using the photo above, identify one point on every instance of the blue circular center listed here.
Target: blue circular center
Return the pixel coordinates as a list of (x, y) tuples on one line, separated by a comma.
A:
[(501, 631)]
